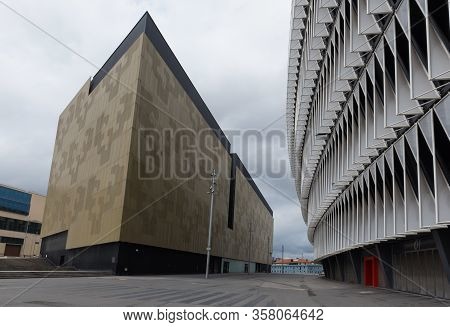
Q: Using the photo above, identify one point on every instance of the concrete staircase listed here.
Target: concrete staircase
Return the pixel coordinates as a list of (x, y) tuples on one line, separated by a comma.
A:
[(28, 264), (11, 268)]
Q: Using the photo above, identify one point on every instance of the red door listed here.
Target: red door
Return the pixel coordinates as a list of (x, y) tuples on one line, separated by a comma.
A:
[(371, 271)]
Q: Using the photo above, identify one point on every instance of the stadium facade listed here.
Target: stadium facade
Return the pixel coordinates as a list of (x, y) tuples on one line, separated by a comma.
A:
[(368, 122), (113, 202)]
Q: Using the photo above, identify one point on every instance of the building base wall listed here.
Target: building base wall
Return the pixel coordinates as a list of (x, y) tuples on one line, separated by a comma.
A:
[(98, 257), (122, 258), (142, 259), (414, 265)]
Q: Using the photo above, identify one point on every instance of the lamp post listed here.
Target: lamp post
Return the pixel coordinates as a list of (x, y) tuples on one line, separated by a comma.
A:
[(212, 188), (249, 247)]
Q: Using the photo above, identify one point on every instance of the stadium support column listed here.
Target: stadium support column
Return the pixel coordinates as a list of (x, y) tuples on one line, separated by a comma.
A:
[(330, 271), (442, 240), (340, 267), (355, 259), (326, 268), (384, 254)]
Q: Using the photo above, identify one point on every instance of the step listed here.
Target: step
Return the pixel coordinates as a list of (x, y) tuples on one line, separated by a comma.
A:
[(25, 264)]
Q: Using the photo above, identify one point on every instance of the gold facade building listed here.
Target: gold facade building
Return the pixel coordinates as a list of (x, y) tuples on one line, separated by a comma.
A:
[(106, 211)]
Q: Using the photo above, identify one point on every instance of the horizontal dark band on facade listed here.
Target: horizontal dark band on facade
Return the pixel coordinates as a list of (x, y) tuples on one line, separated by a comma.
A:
[(232, 195), (147, 25), (123, 258)]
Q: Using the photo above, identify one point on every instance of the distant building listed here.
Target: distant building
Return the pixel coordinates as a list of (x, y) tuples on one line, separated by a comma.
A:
[(296, 266), (296, 261), (103, 212), (20, 222)]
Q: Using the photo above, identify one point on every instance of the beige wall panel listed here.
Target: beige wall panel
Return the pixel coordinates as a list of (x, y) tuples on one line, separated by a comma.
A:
[(37, 207), (173, 213), (10, 233), (100, 220), (253, 224), (2, 249), (12, 215), (95, 189), (31, 245), (90, 161)]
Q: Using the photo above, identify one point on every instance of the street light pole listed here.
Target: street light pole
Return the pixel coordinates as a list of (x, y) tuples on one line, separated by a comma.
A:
[(282, 259), (250, 248), (212, 188)]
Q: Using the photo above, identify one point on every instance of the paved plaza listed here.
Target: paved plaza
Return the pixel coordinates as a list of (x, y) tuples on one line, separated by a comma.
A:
[(257, 290)]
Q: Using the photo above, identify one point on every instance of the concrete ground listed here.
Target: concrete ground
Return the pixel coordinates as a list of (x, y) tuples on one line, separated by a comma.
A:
[(257, 290)]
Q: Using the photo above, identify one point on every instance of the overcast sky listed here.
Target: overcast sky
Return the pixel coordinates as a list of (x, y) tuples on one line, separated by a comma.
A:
[(234, 51)]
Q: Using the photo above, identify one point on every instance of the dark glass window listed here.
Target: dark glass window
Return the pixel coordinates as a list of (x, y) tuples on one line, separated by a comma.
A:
[(14, 201), (21, 226), (34, 228), (11, 240)]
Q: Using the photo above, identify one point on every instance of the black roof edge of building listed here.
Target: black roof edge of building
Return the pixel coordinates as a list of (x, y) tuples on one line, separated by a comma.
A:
[(250, 180), (147, 25)]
